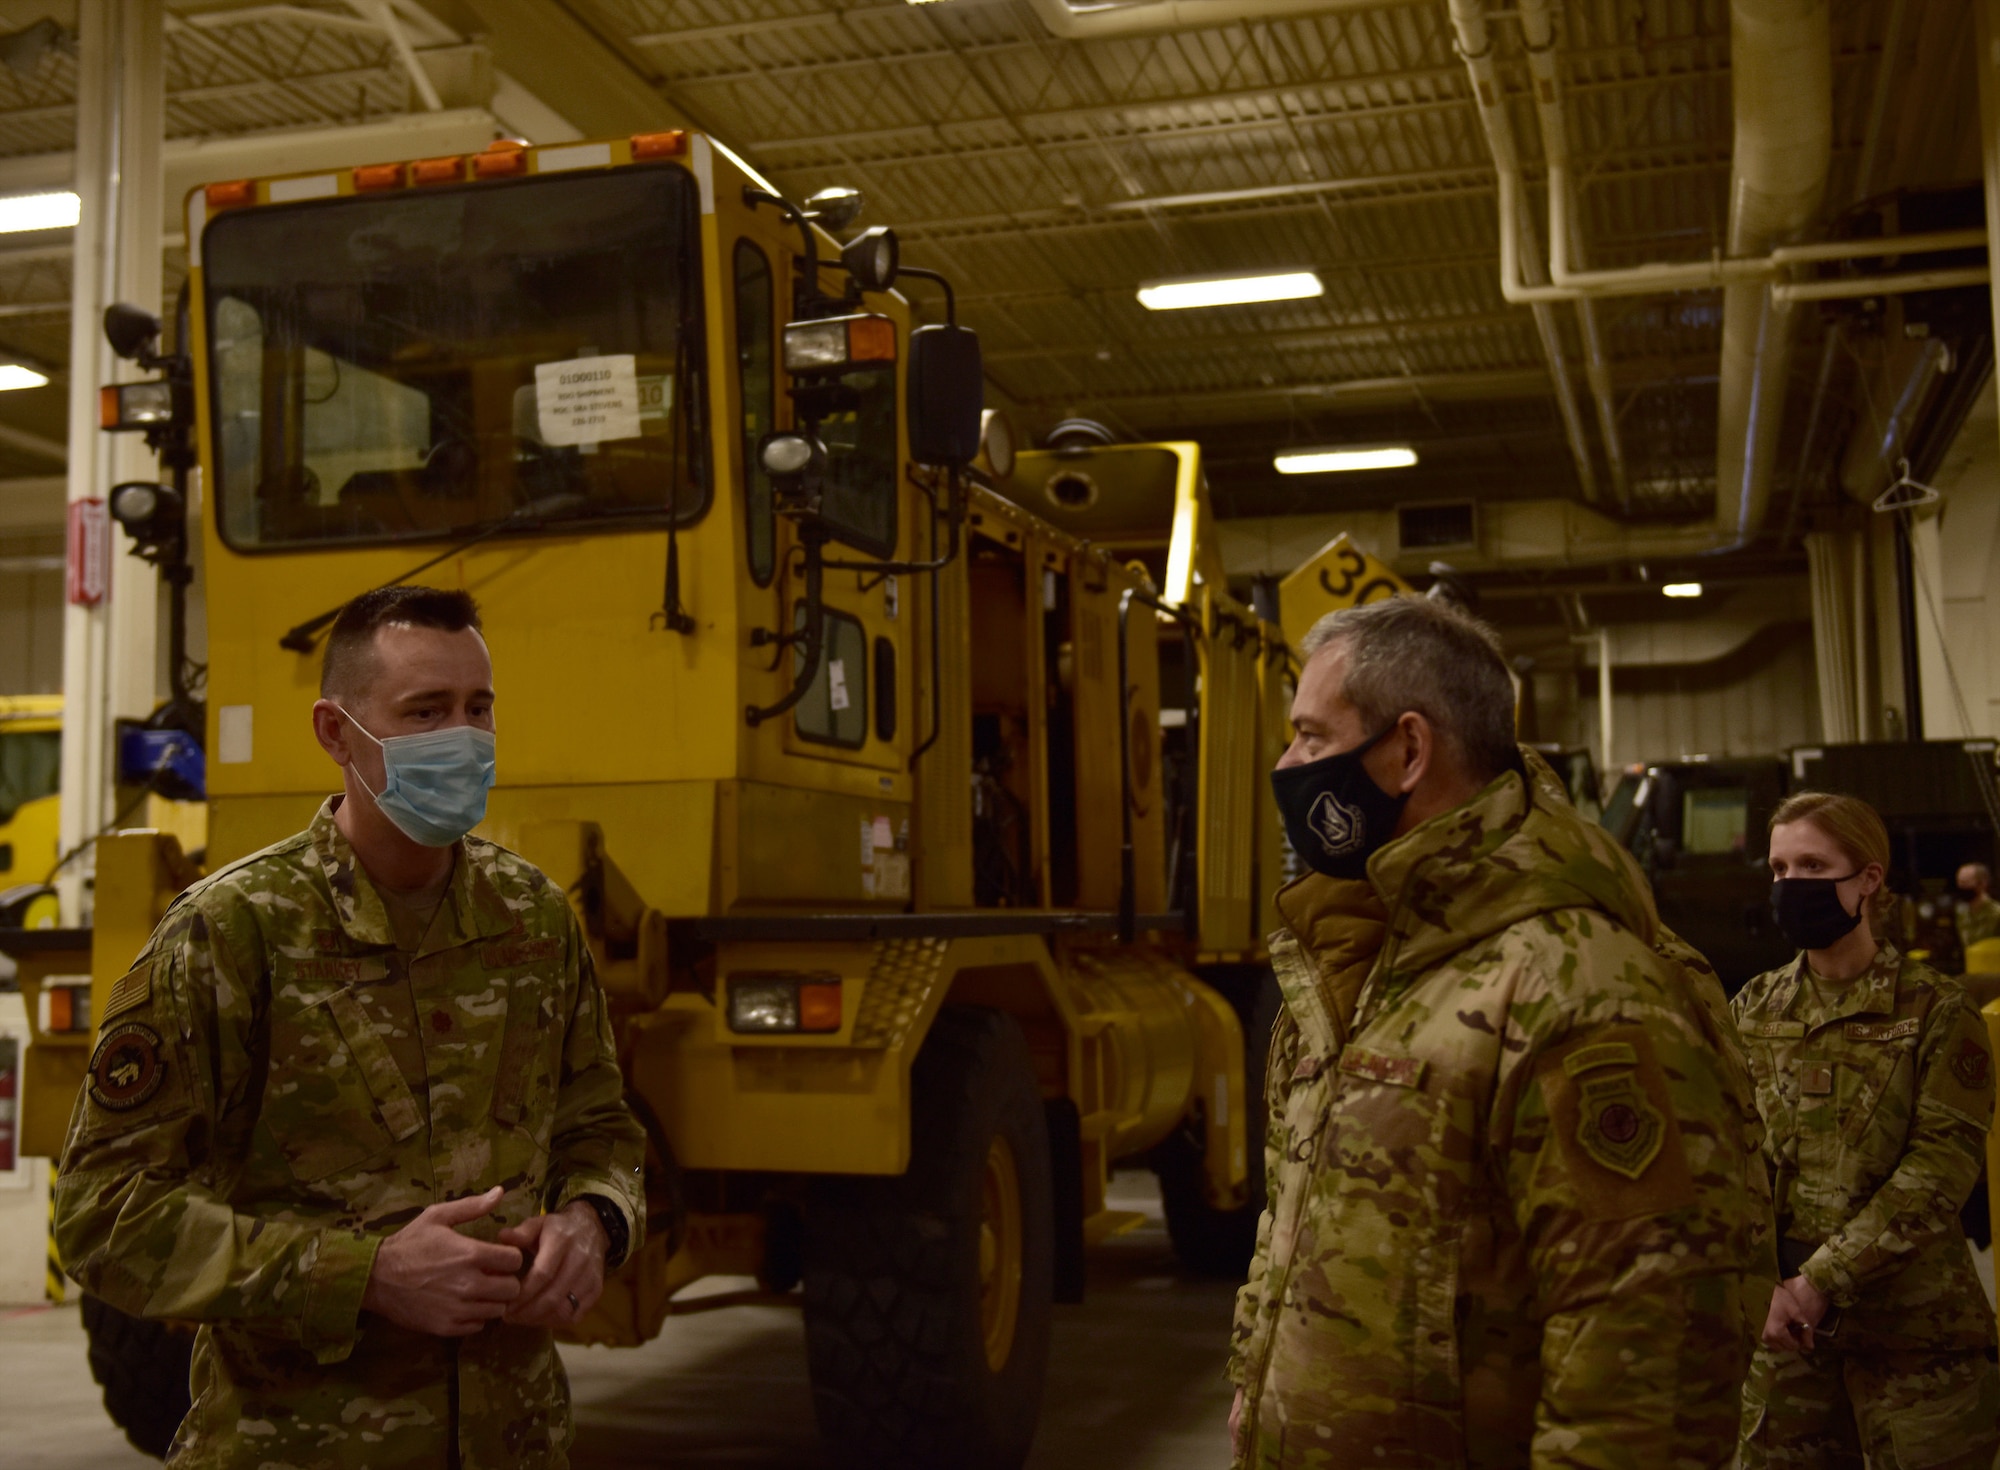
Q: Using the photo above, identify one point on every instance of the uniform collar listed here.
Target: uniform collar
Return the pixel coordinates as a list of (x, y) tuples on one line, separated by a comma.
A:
[(473, 907), (1871, 993)]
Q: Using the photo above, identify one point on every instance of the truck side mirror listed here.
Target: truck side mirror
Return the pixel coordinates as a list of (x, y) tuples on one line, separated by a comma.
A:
[(947, 389)]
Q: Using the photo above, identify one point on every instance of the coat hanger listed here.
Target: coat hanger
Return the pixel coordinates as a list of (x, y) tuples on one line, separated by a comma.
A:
[(1905, 493)]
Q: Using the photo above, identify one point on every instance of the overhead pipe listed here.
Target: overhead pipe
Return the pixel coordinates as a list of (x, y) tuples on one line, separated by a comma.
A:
[(1475, 45), (1538, 35)]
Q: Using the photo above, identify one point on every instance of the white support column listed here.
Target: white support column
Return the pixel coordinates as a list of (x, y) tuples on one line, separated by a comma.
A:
[(111, 651), (1987, 62)]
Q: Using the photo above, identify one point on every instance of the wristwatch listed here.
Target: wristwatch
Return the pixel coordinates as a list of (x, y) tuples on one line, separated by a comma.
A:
[(617, 1236)]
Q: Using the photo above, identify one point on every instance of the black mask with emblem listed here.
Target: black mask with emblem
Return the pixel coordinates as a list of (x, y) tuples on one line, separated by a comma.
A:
[(1336, 817), (1809, 911)]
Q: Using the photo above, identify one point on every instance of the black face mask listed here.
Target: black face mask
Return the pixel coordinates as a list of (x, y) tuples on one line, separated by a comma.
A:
[(1810, 913), (1335, 815)]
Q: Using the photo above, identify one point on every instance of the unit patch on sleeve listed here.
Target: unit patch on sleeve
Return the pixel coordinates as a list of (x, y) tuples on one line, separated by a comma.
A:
[(1970, 1063), (126, 1068), (1617, 1123)]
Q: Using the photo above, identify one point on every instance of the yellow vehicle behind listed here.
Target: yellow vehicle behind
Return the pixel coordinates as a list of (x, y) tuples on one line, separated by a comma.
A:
[(912, 803), (30, 806)]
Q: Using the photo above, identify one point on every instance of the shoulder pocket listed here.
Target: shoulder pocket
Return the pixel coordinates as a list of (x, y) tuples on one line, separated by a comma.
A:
[(534, 1032), (336, 1097)]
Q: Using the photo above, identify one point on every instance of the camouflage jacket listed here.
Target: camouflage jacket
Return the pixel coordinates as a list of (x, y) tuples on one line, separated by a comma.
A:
[(1518, 1216), (275, 1089), (1876, 1097), (1979, 920)]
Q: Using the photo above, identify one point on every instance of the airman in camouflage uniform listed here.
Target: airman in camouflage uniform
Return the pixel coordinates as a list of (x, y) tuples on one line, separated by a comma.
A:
[(1877, 1096), (276, 1088), (1517, 1212), (357, 1110)]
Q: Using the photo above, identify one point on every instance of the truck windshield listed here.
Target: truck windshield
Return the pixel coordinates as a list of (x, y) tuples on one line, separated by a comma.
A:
[(419, 364)]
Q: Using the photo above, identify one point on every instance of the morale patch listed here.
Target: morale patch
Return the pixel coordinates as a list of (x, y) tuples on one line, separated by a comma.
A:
[(1816, 1079), (1970, 1064), (1881, 1030), (1777, 1029), (1604, 1054), (1376, 1067), (1617, 1123), (134, 988), (505, 954), (126, 1068)]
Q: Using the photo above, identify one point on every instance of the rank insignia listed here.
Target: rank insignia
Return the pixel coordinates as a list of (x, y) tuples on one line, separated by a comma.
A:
[(1970, 1064), (1618, 1125), (126, 1068)]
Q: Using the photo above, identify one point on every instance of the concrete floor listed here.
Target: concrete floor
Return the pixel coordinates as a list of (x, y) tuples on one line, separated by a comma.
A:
[(1134, 1381)]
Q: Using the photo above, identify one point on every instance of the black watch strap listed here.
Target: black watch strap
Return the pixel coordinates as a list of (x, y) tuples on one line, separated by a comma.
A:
[(617, 1236)]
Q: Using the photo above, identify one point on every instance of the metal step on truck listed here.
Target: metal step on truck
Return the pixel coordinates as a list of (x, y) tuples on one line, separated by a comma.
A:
[(910, 790)]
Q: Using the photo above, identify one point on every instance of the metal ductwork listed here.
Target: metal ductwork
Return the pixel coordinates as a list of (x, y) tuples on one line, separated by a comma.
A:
[(1781, 82)]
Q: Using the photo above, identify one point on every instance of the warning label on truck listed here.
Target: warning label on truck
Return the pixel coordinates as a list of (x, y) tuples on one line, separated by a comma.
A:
[(585, 400)]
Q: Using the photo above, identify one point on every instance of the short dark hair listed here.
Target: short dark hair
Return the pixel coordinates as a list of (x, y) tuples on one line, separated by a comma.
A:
[(351, 643), (1424, 654)]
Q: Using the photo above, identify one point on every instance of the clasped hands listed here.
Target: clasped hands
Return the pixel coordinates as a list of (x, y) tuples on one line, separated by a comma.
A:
[(1797, 1308), (430, 1278)]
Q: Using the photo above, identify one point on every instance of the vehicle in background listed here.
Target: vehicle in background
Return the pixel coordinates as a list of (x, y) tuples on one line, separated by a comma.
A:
[(919, 832), (1698, 829), (30, 808)]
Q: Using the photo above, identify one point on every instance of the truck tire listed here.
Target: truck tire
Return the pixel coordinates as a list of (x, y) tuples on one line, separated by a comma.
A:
[(142, 1366), (1208, 1241), (927, 1294)]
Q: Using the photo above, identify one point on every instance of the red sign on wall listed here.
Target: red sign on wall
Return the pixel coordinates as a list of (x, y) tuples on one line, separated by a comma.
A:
[(89, 553)]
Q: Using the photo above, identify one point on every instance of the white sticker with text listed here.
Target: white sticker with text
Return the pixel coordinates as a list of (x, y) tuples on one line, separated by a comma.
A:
[(585, 400)]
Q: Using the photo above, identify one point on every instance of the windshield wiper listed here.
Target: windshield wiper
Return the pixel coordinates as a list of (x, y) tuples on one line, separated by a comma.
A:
[(304, 637)]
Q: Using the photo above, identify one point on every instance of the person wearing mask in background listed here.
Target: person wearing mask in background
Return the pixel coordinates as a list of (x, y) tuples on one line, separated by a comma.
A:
[(356, 1109), (1978, 913), (1517, 1216), (1875, 1081)]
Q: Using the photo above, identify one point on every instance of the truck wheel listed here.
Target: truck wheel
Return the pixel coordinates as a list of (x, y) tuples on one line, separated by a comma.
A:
[(142, 1365), (1208, 1241), (927, 1295)]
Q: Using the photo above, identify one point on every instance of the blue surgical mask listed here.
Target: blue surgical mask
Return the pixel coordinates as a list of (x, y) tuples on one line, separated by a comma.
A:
[(434, 784)]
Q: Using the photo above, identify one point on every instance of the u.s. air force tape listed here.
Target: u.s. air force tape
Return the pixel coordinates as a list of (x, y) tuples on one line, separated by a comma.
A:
[(126, 1068)]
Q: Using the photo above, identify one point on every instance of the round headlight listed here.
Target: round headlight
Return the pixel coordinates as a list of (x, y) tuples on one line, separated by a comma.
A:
[(135, 505), (787, 454)]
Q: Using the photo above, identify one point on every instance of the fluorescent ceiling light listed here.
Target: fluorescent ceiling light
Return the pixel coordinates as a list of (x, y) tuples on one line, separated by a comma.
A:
[(1231, 290), (13, 375), (1328, 461), (56, 211), (1682, 589)]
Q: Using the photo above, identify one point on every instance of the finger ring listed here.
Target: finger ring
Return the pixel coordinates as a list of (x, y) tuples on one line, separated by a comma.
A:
[(574, 1304)]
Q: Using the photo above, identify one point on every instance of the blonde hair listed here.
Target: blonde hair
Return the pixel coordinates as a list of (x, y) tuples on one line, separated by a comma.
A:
[(1855, 827)]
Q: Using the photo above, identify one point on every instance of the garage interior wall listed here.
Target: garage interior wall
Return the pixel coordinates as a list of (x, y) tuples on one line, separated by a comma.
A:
[(1957, 551), (31, 612)]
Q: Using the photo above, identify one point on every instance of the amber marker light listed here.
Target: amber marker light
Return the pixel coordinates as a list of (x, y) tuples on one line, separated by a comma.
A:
[(372, 177), (438, 170), (671, 144), (503, 158), (819, 1006), (232, 195), (871, 339)]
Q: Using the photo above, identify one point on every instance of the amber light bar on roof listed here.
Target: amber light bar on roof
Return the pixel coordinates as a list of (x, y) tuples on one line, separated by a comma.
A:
[(503, 158)]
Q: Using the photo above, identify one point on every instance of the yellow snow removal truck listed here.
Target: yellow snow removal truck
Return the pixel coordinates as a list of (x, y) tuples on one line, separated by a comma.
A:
[(912, 801)]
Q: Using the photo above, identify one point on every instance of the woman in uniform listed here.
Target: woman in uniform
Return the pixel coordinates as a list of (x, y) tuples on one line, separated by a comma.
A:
[(1875, 1081)]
